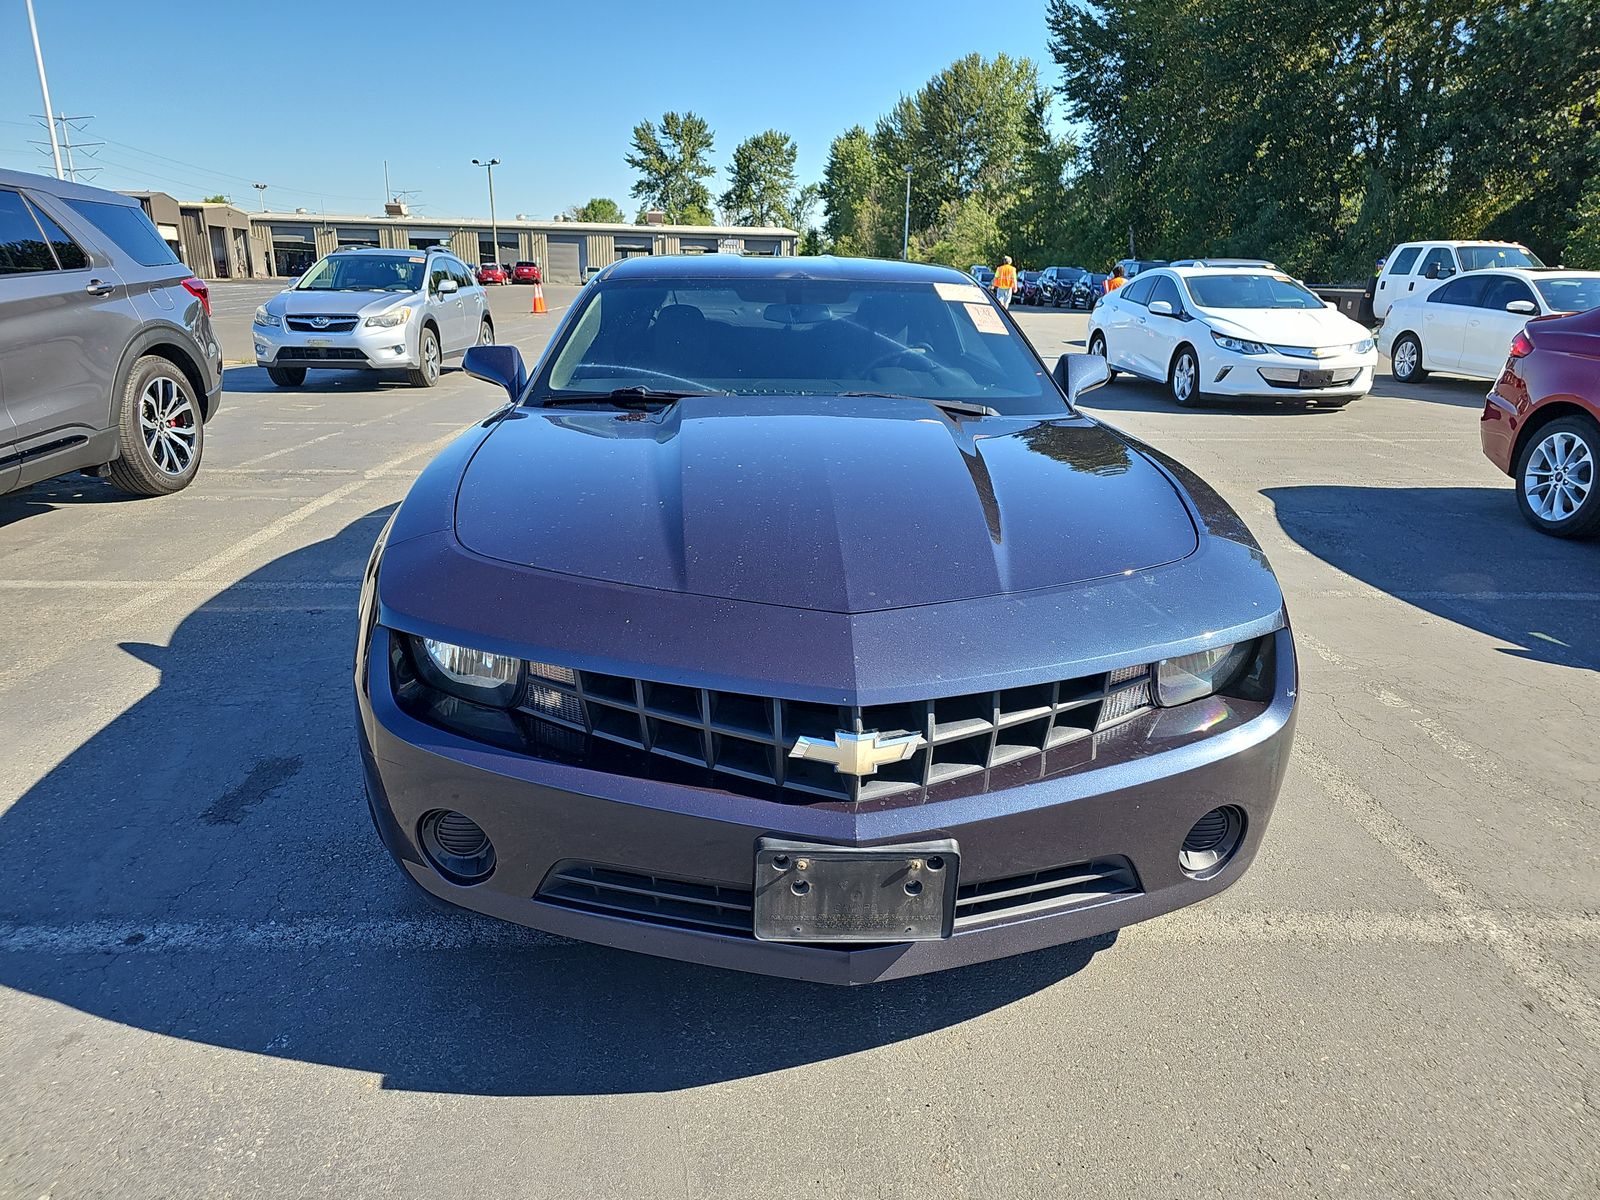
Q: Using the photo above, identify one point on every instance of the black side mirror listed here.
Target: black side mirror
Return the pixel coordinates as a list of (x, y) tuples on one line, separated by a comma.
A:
[(1077, 374), (1432, 272), (497, 364)]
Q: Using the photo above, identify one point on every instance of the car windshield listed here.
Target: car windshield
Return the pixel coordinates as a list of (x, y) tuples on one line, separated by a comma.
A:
[(1250, 291), (1570, 293), (940, 341), (365, 273), (1479, 258)]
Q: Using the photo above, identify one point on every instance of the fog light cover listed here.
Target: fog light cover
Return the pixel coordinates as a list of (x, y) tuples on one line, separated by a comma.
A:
[(457, 846), (1193, 676)]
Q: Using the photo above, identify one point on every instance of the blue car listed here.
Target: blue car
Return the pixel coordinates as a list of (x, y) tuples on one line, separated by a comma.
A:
[(790, 617)]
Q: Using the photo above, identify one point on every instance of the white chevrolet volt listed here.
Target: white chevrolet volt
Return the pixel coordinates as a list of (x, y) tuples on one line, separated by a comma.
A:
[(1233, 331)]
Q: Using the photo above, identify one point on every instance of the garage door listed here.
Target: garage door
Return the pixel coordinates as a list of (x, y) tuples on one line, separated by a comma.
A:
[(565, 265)]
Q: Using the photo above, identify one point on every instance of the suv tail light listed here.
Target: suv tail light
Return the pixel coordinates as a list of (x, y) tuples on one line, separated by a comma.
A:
[(198, 289), (1521, 345)]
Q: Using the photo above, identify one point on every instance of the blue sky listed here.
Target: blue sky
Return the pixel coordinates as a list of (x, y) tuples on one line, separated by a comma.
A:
[(311, 98)]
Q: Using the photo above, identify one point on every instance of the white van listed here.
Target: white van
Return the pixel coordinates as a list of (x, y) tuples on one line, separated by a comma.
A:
[(1417, 267)]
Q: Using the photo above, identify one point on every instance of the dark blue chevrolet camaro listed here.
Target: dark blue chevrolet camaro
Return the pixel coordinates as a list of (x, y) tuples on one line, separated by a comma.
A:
[(791, 618)]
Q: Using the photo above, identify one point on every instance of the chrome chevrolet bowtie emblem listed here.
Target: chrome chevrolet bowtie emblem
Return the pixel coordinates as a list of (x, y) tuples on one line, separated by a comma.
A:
[(320, 322), (857, 753)]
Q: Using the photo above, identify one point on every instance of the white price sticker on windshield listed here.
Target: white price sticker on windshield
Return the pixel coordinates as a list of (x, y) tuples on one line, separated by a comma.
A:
[(966, 293), (984, 318)]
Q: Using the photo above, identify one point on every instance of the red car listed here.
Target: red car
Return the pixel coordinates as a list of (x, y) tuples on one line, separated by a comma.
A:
[(492, 272), (1541, 423), (526, 272)]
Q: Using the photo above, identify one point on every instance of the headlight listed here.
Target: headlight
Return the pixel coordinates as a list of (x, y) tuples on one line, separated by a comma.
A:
[(1192, 676), (263, 317), (388, 320), (475, 675), (1363, 346), (1238, 345)]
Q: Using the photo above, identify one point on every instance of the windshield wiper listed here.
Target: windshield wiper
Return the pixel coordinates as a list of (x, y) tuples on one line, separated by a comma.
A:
[(959, 408), (628, 397)]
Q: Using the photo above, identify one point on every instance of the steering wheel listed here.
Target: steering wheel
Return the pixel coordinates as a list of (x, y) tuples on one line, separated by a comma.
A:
[(918, 352)]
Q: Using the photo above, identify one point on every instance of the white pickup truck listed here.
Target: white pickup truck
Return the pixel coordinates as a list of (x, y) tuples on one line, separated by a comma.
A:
[(1417, 267)]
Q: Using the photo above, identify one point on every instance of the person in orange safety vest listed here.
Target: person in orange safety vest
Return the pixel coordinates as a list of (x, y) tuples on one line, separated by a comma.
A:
[(1005, 282)]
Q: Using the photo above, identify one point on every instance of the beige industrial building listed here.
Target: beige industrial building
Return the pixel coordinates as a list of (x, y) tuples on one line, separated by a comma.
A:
[(565, 250), (219, 241)]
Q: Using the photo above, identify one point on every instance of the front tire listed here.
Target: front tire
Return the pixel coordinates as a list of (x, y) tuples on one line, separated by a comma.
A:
[(1405, 363), (160, 432), (287, 376), (485, 333), (1097, 345), (1183, 378), (1558, 478), (427, 373)]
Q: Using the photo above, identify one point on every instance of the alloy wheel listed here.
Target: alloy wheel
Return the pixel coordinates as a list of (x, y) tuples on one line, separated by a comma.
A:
[(167, 421), (1183, 374), (1559, 476), (1405, 359), (430, 357)]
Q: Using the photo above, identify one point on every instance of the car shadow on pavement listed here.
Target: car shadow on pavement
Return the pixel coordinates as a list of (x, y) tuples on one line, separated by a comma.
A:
[(1128, 394), (203, 867), (245, 380), (61, 492), (1462, 553)]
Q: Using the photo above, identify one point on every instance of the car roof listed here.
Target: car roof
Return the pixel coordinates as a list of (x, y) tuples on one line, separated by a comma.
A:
[(1202, 269), (392, 250), (824, 267), (1459, 242), (67, 191)]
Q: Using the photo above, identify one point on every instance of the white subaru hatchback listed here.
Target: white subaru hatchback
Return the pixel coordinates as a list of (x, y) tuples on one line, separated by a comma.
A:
[(1233, 331)]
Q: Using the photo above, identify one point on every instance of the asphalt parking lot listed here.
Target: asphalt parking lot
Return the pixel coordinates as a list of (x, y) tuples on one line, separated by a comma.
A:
[(213, 982)]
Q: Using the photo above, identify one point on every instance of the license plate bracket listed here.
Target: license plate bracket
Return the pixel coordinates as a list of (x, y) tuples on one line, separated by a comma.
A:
[(1316, 379), (806, 892)]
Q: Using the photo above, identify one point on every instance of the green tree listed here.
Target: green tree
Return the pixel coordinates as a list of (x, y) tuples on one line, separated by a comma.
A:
[(602, 210), (848, 184), (761, 181), (673, 165), (219, 198)]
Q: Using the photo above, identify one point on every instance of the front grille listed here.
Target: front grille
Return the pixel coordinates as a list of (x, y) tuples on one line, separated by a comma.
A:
[(715, 908), (320, 354), (1289, 377), (749, 738), (1043, 892), (680, 903), (333, 324)]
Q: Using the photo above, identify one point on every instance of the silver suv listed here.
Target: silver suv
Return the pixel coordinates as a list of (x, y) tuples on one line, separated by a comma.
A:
[(374, 310), (108, 363)]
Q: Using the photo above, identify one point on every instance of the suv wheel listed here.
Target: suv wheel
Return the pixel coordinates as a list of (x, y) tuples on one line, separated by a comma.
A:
[(161, 435), (427, 374), (1558, 478), (485, 333), (287, 376)]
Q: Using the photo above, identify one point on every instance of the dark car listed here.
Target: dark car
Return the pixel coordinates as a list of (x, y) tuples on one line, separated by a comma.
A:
[(1541, 423), (492, 272), (1088, 289), (1028, 287), (108, 362), (791, 618), (526, 272), (1056, 283), (984, 276)]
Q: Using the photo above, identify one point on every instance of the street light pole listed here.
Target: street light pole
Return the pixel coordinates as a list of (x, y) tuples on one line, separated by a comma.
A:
[(494, 226), (262, 189), (44, 88), (905, 235)]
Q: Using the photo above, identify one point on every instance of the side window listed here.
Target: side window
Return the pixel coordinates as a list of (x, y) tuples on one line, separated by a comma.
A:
[(1403, 261), (68, 253), (1139, 290), (1440, 257), (1501, 290), (438, 272), (463, 274), (129, 230), (1167, 290), (23, 249), (1461, 292)]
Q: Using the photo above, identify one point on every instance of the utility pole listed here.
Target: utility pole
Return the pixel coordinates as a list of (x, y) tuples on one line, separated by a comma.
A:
[(387, 197), (494, 227), (905, 234), (66, 143), (261, 188), (44, 89)]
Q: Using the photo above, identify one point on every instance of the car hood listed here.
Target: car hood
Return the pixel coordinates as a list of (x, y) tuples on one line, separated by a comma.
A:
[(296, 303), (829, 504), (1286, 326)]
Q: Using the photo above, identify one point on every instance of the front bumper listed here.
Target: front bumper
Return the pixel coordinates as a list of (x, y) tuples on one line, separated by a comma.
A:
[(1224, 373), (362, 348), (1149, 781)]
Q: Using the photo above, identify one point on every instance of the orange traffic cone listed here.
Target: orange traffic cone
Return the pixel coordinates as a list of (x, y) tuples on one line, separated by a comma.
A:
[(538, 299)]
